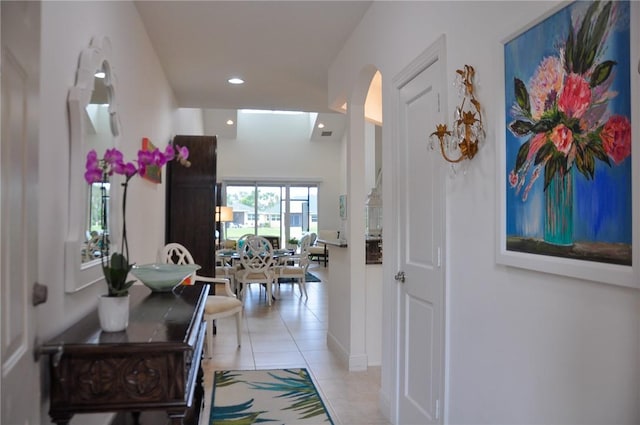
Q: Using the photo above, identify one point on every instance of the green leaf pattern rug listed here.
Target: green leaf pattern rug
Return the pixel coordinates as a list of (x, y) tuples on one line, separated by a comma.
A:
[(280, 396)]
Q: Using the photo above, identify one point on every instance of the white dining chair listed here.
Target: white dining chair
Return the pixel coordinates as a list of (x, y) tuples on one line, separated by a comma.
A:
[(217, 306), (294, 270), (225, 267), (256, 259)]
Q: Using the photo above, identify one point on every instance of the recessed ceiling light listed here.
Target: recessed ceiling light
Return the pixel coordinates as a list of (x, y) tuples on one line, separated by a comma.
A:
[(236, 80), (229, 122), (320, 125)]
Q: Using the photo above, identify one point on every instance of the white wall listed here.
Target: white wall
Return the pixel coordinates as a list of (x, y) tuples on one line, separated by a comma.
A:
[(523, 347), (338, 304), (369, 157), (146, 105), (373, 316), (188, 122), (277, 147)]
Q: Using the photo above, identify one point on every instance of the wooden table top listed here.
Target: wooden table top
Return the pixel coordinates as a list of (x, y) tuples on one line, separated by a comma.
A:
[(154, 317)]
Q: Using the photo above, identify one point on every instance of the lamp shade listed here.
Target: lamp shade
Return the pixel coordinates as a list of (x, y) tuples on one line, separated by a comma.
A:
[(224, 214)]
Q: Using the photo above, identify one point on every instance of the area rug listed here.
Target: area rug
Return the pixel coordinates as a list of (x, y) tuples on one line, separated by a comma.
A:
[(309, 277), (279, 396)]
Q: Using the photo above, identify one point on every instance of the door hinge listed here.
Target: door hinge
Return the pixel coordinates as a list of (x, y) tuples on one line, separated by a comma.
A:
[(439, 260), (437, 409)]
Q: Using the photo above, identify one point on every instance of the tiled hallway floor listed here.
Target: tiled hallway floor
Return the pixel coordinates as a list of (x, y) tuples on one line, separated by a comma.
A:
[(293, 333)]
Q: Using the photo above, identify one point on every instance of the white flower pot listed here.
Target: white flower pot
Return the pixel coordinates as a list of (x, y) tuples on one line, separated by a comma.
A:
[(113, 313)]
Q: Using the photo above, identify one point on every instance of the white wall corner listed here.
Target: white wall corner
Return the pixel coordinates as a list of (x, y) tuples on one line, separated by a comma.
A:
[(384, 404), (358, 363)]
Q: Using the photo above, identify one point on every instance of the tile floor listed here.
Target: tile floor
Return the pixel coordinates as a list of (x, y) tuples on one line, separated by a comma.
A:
[(293, 333)]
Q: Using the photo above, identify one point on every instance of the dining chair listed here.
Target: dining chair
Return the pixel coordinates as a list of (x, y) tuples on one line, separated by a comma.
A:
[(235, 264), (241, 239), (256, 259), (225, 267), (217, 306), (295, 271), (304, 244), (274, 240)]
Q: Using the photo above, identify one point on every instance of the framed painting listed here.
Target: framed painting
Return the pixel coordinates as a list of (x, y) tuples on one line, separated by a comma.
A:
[(153, 172), (567, 178), (342, 206)]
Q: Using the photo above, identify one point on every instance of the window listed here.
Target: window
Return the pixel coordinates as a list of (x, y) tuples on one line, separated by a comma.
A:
[(283, 210)]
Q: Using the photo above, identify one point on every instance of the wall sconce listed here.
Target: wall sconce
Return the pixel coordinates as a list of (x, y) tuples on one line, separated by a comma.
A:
[(467, 123)]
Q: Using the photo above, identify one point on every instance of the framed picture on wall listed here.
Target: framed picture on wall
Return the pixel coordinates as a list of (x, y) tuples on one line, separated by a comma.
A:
[(566, 172), (342, 205), (153, 173)]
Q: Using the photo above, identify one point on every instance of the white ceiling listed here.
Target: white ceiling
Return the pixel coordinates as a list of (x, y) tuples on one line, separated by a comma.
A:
[(282, 49)]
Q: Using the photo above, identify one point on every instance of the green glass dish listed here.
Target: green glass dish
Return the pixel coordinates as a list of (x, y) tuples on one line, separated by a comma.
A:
[(162, 277)]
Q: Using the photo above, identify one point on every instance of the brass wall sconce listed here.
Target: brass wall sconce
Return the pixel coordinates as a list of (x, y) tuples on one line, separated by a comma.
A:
[(467, 129)]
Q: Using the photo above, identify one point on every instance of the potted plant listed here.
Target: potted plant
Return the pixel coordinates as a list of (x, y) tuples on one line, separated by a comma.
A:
[(292, 243), (113, 307)]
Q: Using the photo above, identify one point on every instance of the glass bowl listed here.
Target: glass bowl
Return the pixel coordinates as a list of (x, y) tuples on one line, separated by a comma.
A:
[(162, 277)]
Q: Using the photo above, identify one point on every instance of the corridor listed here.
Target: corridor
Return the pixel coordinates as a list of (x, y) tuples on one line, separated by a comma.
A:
[(293, 333)]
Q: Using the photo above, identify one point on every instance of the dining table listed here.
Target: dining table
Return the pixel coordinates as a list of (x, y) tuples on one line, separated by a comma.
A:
[(232, 255), (233, 258)]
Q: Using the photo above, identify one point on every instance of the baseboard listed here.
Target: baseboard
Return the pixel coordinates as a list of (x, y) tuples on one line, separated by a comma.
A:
[(354, 363), (336, 348)]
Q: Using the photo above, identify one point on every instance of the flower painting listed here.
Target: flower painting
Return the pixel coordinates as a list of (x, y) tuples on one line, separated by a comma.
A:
[(568, 135)]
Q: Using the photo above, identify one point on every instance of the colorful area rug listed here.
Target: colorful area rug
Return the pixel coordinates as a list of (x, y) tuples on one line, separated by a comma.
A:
[(309, 277), (279, 396)]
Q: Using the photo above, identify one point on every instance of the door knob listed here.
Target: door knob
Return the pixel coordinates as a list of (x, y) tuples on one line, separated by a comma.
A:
[(399, 277)]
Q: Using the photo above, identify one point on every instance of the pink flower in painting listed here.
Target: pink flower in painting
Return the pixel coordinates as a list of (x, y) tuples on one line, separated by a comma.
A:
[(562, 137), (534, 177), (536, 143), (513, 178), (575, 97), (616, 138), (545, 85)]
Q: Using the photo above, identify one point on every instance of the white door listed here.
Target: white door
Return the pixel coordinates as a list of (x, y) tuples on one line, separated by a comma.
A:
[(421, 239), (19, 68)]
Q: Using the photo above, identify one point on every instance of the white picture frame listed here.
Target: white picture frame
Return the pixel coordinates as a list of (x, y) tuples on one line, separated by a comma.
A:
[(616, 274)]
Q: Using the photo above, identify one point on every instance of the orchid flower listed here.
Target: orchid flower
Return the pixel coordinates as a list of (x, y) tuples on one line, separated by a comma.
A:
[(97, 170)]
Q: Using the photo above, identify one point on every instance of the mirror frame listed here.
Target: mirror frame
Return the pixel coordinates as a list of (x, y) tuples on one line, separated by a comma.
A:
[(80, 275)]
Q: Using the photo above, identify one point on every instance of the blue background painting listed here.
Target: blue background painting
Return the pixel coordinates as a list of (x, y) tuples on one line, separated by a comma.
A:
[(602, 209)]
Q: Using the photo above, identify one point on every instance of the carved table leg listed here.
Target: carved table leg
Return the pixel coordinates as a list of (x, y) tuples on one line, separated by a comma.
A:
[(136, 418)]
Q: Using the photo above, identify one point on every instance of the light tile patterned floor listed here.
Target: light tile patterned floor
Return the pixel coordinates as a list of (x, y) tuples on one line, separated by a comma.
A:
[(293, 333)]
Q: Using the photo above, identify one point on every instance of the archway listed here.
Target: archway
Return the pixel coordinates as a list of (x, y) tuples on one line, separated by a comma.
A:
[(355, 293)]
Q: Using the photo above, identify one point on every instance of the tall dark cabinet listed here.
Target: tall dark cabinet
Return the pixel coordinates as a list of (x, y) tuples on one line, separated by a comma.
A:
[(191, 202)]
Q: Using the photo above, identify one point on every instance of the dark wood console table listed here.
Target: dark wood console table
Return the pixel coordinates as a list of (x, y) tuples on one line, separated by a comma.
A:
[(153, 365)]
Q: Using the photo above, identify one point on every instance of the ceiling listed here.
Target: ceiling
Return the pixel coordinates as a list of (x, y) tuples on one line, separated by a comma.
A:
[(282, 49)]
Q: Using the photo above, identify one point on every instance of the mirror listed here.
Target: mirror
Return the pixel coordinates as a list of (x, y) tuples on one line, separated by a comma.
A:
[(98, 136), (93, 124)]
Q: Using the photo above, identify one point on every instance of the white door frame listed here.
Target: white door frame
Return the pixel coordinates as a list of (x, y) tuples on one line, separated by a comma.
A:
[(436, 51), (20, 63)]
